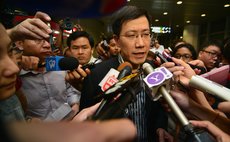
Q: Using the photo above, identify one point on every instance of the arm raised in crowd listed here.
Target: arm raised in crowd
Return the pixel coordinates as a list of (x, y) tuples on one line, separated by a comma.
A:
[(32, 28), (182, 74)]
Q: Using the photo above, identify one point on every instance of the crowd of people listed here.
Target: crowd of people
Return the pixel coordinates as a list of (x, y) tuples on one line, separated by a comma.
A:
[(30, 95)]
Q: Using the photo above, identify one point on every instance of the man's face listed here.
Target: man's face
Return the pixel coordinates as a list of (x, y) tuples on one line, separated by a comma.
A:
[(38, 48), (134, 40), (80, 48), (8, 69), (210, 56)]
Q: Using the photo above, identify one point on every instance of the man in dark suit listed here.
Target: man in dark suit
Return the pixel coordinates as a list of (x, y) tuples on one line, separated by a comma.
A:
[(132, 34)]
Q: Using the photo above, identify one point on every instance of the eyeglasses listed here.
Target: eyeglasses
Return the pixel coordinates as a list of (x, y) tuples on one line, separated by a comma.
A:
[(40, 41), (184, 56), (134, 36), (212, 54)]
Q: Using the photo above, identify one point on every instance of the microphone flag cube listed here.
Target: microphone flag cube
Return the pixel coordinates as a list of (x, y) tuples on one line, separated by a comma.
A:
[(52, 63)]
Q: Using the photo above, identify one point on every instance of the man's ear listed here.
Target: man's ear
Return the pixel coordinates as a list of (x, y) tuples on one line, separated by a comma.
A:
[(200, 54), (92, 50), (19, 44)]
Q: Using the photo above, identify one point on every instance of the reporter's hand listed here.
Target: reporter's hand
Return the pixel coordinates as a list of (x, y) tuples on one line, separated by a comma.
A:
[(182, 99), (164, 136), (29, 63), (224, 106), (85, 113), (214, 130), (101, 52), (181, 70), (197, 63), (76, 77), (31, 28)]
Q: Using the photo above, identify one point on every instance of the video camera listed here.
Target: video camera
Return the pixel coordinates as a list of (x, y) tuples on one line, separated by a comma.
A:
[(67, 24)]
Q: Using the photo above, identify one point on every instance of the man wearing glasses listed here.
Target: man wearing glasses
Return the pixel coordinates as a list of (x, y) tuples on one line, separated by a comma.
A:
[(210, 54), (132, 34)]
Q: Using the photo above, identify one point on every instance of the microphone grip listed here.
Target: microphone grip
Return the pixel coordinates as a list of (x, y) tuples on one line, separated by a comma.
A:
[(211, 87), (177, 111), (115, 108)]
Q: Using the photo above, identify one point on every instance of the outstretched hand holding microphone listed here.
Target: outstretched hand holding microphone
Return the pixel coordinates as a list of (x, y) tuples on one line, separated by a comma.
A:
[(157, 80)]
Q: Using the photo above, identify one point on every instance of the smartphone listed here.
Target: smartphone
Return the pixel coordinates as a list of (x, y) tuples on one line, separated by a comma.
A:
[(162, 58), (165, 57)]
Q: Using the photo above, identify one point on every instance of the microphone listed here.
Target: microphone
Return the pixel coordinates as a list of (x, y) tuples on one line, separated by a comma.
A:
[(156, 79), (210, 87), (125, 69), (112, 76), (60, 63), (118, 97)]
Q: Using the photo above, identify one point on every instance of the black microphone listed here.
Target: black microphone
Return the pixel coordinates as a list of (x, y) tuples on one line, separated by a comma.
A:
[(157, 80), (125, 69), (123, 92), (60, 63)]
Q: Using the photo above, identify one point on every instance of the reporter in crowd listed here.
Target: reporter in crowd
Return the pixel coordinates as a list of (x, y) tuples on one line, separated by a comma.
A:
[(45, 91), (32, 28), (107, 48), (80, 45), (210, 54)]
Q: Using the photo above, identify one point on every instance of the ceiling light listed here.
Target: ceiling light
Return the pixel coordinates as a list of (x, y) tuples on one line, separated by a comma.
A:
[(226, 5), (165, 13), (179, 2), (156, 20), (203, 15), (188, 22)]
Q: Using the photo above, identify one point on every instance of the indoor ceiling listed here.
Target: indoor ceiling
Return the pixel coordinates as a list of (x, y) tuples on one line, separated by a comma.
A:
[(176, 18), (188, 10)]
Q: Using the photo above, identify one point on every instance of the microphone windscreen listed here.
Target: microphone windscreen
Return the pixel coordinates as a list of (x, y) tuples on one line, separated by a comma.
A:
[(125, 69), (68, 63), (123, 65)]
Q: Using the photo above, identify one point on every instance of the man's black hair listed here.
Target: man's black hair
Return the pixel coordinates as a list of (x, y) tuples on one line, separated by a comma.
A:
[(189, 47), (127, 13), (214, 42), (77, 34)]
